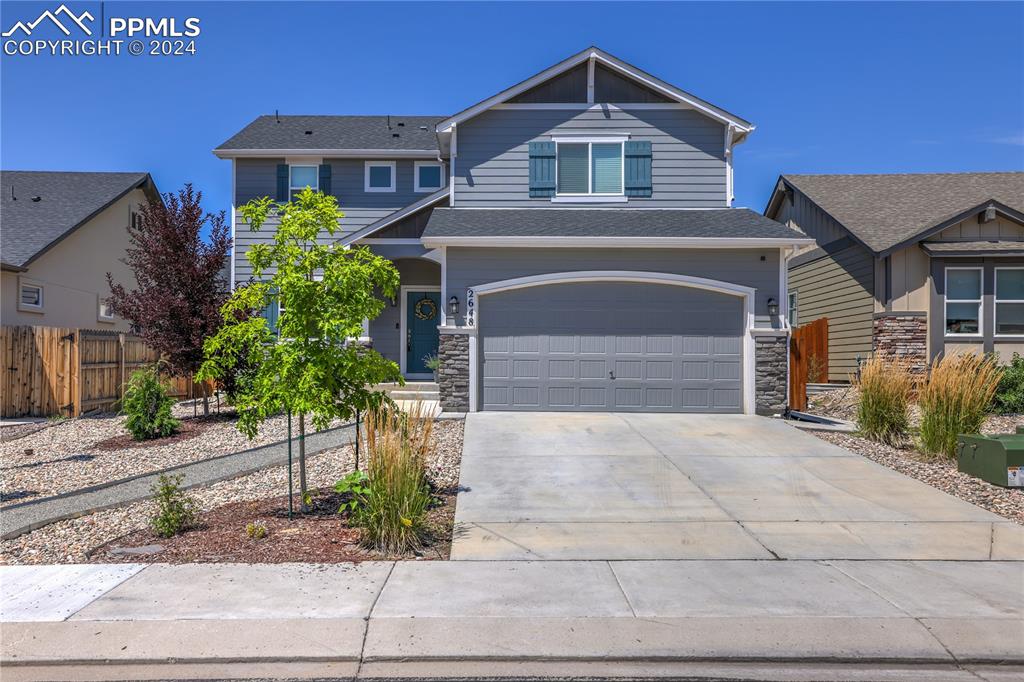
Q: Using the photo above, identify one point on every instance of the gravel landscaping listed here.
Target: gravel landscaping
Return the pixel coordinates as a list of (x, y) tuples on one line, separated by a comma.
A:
[(75, 453), (71, 541), (938, 472)]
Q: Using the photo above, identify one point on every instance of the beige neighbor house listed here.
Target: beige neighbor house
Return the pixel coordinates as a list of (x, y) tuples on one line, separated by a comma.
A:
[(60, 234), (917, 264)]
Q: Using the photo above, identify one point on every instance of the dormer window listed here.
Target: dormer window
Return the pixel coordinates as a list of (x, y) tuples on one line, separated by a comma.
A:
[(429, 176), (591, 167)]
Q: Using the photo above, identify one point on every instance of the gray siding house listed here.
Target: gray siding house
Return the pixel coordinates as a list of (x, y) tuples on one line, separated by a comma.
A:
[(567, 244), (912, 264)]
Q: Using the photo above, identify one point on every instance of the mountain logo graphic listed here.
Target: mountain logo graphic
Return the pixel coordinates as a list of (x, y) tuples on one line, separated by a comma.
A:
[(78, 20)]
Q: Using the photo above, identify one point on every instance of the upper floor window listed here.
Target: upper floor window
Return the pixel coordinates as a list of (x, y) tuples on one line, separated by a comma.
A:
[(590, 167), (301, 177), (380, 176), (792, 312), (1009, 301), (963, 301), (429, 176)]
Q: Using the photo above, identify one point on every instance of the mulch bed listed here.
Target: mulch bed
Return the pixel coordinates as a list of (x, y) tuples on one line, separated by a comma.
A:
[(189, 428), (319, 536)]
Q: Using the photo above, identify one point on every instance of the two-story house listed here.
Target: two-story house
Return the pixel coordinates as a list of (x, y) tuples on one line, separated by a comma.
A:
[(567, 244)]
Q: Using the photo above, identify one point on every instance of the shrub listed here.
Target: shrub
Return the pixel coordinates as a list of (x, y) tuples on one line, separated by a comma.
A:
[(392, 500), (432, 362), (956, 398), (148, 406), (886, 385), (1010, 393), (256, 530), (176, 511)]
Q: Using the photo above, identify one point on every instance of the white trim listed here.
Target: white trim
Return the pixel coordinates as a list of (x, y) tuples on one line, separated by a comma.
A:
[(453, 153), (728, 167), (581, 106), (589, 199), (304, 161), (416, 176), (996, 301), (608, 61), (590, 80), (610, 138), (475, 294), (234, 243), (621, 242), (403, 351), (26, 282), (444, 287), (980, 301), (386, 240), (590, 195), (367, 165), (329, 153)]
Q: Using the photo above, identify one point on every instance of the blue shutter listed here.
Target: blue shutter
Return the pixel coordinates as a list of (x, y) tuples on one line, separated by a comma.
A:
[(638, 168), (269, 312), (325, 178), (282, 182), (542, 169)]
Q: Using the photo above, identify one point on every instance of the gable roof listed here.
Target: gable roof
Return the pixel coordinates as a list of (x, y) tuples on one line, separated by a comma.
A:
[(888, 211), (632, 226), (392, 218), (333, 134), (743, 126), (66, 201)]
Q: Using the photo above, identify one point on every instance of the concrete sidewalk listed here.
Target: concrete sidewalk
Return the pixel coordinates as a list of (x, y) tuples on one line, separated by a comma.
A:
[(744, 619)]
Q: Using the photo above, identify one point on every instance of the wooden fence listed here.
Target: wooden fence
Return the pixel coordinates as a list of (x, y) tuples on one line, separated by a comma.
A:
[(808, 356), (60, 371)]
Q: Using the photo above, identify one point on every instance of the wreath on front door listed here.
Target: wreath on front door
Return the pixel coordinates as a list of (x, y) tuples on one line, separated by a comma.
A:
[(425, 309)]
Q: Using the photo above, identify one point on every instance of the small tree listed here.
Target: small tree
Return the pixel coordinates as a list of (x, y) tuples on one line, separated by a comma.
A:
[(312, 363), (180, 289)]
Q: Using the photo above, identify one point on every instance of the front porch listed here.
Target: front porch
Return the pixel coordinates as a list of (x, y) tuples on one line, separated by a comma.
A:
[(406, 331)]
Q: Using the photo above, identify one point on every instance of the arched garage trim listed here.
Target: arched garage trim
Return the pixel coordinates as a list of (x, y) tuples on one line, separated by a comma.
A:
[(475, 295)]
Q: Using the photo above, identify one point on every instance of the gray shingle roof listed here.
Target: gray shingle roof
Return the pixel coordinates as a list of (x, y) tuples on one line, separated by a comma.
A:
[(66, 201), (886, 210), (605, 222), (976, 247), (336, 132)]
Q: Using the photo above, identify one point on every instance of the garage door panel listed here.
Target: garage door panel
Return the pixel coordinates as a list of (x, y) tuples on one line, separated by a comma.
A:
[(612, 346)]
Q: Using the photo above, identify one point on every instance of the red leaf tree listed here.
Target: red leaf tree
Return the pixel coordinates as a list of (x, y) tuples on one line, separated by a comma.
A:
[(180, 286)]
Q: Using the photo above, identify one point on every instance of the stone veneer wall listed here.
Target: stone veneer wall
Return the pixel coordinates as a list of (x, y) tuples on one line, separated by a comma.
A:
[(770, 374), (453, 374), (902, 335)]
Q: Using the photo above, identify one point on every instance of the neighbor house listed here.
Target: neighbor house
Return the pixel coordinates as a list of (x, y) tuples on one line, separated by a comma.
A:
[(566, 244), (915, 264), (60, 234)]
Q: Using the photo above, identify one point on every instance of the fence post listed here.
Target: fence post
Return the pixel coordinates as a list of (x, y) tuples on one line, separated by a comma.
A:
[(76, 373), (120, 366)]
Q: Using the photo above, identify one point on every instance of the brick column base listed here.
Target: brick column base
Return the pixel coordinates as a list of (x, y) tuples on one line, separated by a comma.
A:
[(453, 374), (902, 335), (770, 362)]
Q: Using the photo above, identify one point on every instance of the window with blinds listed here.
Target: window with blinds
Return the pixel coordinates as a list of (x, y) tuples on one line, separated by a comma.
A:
[(586, 168)]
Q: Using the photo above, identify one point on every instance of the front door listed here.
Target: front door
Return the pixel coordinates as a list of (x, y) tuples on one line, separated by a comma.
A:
[(422, 315)]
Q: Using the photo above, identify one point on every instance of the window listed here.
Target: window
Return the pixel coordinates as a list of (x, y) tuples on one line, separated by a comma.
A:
[(380, 176), (30, 297), (1009, 301), (791, 315), (103, 311), (589, 168), (963, 301), (301, 177), (429, 176)]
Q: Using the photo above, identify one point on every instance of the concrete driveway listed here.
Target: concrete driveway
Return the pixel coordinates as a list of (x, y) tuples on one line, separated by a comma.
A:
[(657, 486)]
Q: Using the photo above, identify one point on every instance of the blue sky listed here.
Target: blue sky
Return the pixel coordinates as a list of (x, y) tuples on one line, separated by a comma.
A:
[(832, 87)]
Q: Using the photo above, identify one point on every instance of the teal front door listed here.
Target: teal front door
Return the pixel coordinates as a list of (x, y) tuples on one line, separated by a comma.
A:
[(422, 315)]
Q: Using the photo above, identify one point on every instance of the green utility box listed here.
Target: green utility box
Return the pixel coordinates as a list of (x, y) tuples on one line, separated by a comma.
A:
[(996, 459)]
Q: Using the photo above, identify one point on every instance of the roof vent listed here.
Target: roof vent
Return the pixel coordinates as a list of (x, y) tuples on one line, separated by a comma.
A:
[(395, 135), (423, 127), (37, 199), (988, 215), (401, 124), (309, 132)]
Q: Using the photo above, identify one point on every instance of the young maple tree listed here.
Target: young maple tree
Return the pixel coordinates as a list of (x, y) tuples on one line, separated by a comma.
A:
[(180, 289), (312, 363)]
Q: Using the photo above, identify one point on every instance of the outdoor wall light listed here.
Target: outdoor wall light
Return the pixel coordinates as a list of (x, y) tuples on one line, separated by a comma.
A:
[(773, 307), (453, 306)]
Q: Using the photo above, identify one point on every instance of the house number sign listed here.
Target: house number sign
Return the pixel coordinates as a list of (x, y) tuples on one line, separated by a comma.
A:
[(470, 308)]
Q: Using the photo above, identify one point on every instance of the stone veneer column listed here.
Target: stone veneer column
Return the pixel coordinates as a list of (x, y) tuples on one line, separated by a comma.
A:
[(902, 334), (770, 374), (453, 374)]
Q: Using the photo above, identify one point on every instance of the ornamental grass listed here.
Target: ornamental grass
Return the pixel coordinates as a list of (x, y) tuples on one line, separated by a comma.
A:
[(886, 386), (956, 399), (396, 496)]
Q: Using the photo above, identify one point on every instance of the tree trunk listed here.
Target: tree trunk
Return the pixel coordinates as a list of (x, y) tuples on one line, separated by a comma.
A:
[(302, 464)]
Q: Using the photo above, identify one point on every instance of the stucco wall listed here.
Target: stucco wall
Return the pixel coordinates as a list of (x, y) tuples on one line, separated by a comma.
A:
[(73, 273)]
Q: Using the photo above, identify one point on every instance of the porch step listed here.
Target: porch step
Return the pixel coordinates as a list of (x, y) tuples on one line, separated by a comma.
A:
[(413, 390)]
